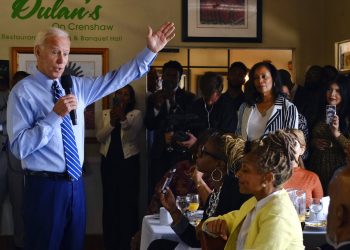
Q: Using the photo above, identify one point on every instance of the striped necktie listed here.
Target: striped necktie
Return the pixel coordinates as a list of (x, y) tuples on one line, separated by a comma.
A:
[(69, 143)]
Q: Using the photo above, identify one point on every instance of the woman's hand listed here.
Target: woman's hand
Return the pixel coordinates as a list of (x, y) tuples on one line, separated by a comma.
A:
[(117, 114), (168, 200), (189, 143), (335, 126), (196, 175), (218, 227), (321, 144)]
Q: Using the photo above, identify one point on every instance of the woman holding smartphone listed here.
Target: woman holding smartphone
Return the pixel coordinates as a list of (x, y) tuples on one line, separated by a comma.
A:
[(120, 167), (330, 139)]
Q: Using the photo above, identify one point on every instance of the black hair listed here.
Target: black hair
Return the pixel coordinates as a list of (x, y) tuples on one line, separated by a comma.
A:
[(209, 83), (19, 75), (239, 65), (285, 78), (252, 96), (343, 83), (132, 103), (173, 65)]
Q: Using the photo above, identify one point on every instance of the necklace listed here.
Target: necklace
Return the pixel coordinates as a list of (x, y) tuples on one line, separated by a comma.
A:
[(263, 112), (208, 112), (213, 202)]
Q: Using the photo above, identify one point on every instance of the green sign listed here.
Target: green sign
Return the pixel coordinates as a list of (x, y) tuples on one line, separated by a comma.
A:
[(25, 9)]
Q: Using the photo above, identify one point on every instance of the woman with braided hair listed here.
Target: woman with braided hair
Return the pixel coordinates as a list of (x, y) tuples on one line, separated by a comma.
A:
[(268, 220), (217, 157)]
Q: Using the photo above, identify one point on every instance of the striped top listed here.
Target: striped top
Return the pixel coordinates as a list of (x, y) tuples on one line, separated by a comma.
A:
[(284, 116)]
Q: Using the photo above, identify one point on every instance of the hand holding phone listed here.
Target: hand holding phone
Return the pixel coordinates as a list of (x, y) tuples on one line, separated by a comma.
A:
[(331, 111), (168, 181)]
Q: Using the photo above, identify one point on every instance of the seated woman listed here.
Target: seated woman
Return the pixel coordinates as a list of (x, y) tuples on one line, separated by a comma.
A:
[(301, 178), (268, 220), (219, 156), (187, 179)]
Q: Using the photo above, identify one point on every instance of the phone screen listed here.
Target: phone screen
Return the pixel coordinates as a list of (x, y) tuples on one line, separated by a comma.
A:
[(330, 113), (168, 181)]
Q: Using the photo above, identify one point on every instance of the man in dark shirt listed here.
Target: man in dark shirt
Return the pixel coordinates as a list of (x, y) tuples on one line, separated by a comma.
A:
[(171, 99), (232, 99)]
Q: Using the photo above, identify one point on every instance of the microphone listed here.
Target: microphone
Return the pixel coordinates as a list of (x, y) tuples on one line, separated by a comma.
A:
[(66, 82)]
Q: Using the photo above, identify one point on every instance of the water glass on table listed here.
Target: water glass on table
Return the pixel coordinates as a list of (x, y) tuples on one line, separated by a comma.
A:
[(182, 203)]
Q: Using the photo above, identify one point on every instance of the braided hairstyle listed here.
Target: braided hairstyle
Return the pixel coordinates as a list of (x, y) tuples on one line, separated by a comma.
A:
[(234, 150), (275, 154)]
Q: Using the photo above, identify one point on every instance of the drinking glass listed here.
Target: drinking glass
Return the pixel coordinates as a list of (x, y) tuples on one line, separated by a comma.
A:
[(316, 206), (182, 203), (194, 203)]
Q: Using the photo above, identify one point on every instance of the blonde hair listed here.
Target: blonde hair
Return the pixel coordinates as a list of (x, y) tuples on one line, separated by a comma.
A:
[(275, 154), (299, 136), (234, 150)]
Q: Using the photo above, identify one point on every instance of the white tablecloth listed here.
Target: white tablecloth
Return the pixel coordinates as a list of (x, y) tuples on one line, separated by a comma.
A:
[(152, 230)]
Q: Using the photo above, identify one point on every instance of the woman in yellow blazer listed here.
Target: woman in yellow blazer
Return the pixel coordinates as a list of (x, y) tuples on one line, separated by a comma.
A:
[(268, 220)]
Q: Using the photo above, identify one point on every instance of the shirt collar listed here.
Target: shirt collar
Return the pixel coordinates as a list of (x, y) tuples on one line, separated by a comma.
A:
[(265, 200), (44, 80)]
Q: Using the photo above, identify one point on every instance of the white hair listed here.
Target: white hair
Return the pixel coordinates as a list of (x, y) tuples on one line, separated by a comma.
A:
[(50, 32)]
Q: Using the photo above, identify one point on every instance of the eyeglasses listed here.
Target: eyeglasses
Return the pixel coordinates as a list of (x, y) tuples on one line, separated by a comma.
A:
[(203, 151)]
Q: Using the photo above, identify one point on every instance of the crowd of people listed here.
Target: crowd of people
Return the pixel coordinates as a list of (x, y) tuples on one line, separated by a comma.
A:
[(239, 150)]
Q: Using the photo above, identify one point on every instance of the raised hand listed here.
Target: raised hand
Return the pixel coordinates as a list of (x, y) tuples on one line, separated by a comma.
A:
[(157, 40)]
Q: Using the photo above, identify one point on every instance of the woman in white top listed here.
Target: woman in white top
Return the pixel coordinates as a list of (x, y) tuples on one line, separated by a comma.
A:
[(265, 109), (120, 167)]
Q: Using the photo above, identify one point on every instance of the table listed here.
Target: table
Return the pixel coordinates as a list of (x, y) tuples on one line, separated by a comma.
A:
[(153, 230), (314, 238)]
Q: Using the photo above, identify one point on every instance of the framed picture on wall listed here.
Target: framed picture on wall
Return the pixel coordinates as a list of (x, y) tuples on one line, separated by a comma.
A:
[(82, 62), (342, 56), (222, 21)]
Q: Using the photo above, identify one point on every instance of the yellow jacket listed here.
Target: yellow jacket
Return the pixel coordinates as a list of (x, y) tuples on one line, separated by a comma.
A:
[(276, 225)]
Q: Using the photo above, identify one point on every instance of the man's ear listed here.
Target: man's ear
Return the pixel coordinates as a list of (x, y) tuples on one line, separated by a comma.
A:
[(37, 51)]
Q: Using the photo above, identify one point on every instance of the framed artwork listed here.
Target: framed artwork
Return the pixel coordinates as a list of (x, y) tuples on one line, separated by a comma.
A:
[(222, 21), (342, 56), (82, 62)]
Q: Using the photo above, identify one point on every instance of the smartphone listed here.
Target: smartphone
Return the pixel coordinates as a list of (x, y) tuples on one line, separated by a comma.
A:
[(330, 113), (168, 181)]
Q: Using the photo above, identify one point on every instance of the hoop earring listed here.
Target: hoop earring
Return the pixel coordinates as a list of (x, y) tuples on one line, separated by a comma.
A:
[(212, 175)]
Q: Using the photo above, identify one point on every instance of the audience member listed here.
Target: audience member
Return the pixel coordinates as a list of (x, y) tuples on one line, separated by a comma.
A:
[(233, 98), (338, 221), (313, 88), (185, 180), (11, 172), (51, 149), (301, 178), (287, 86), (205, 107), (218, 157), (120, 162), (330, 140), (265, 110), (268, 220), (160, 105)]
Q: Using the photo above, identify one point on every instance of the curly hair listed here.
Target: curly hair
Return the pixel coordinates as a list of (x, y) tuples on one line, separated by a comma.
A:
[(275, 154), (234, 150)]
